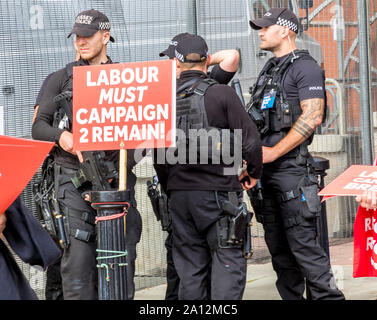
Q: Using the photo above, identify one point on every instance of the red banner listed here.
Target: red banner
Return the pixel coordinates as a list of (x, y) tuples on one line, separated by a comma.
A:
[(20, 159), (128, 106), (352, 182), (364, 242)]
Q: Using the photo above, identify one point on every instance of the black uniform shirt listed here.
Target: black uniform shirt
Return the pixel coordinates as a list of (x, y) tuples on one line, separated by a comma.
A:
[(303, 80), (42, 90), (224, 110), (220, 75)]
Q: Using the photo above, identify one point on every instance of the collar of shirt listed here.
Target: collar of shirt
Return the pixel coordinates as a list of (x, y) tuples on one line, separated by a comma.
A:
[(82, 62), (277, 60), (189, 74)]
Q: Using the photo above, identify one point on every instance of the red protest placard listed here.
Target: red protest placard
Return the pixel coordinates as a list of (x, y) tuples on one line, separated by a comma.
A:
[(20, 159), (365, 243), (124, 105), (354, 181)]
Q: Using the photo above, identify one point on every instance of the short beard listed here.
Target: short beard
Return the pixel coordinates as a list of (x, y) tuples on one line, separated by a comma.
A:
[(269, 48), (93, 56)]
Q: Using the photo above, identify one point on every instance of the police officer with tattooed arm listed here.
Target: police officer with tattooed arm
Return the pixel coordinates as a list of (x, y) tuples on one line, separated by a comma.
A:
[(70, 169), (205, 199), (287, 104)]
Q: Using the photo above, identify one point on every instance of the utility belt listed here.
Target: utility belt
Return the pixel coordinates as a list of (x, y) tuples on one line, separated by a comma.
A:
[(80, 234), (43, 190), (304, 198), (233, 227), (45, 194), (68, 212), (53, 216)]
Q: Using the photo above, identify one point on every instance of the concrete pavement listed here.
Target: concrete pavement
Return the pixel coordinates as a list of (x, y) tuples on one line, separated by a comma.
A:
[(261, 280)]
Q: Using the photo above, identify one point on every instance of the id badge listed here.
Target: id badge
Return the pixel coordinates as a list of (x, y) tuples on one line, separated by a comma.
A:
[(268, 99)]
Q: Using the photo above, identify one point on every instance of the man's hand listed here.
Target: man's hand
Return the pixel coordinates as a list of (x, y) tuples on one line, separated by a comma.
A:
[(35, 113), (66, 143), (3, 221), (368, 200), (248, 182), (79, 155)]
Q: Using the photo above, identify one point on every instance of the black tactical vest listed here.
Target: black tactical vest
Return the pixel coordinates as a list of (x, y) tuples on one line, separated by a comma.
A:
[(191, 119), (190, 109), (64, 100), (284, 112)]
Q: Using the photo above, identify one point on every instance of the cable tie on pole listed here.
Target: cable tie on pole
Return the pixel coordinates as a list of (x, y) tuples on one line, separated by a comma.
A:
[(117, 254), (114, 216), (104, 265)]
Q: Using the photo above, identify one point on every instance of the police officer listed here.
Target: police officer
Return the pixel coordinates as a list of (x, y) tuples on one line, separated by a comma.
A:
[(198, 191), (225, 65), (289, 98), (224, 62), (78, 265), (53, 289)]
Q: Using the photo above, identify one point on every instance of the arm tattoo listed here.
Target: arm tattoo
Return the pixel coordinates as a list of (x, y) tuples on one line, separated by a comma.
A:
[(311, 117), (302, 128)]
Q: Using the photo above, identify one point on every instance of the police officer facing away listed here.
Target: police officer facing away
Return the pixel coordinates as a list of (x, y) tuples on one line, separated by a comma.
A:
[(225, 65), (224, 62), (78, 265), (198, 191), (289, 100)]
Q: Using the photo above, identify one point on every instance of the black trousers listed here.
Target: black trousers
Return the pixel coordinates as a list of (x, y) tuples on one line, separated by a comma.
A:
[(172, 277), (195, 248), (292, 236), (78, 264), (171, 273), (54, 288)]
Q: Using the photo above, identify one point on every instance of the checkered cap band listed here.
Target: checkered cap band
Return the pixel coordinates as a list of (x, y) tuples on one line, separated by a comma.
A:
[(179, 56), (104, 26), (286, 23)]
